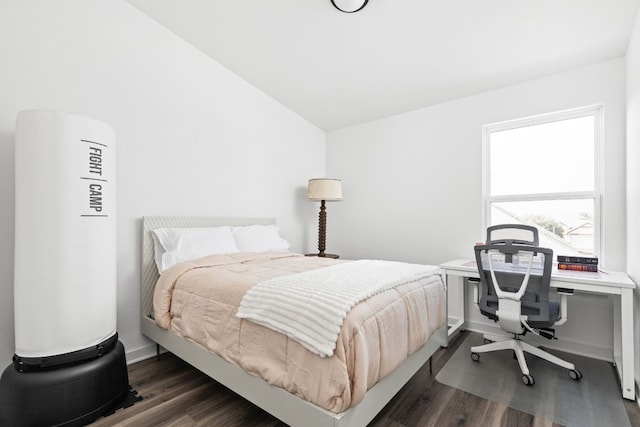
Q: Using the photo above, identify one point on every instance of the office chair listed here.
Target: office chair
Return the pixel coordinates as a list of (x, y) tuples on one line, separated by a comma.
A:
[(515, 275)]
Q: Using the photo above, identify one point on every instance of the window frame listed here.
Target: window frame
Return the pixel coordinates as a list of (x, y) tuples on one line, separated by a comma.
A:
[(596, 194)]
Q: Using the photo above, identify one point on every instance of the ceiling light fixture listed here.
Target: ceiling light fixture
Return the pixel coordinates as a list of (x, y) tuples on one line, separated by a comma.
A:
[(349, 6)]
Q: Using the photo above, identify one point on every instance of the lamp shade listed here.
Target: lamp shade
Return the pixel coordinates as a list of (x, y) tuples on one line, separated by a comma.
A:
[(327, 189)]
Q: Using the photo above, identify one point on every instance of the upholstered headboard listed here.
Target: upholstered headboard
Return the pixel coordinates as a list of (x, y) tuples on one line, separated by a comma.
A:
[(149, 272)]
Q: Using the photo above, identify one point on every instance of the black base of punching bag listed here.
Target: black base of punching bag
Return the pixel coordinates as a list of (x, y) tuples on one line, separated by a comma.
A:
[(73, 394)]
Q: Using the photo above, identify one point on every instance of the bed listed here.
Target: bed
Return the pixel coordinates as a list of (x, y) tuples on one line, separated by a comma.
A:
[(283, 404)]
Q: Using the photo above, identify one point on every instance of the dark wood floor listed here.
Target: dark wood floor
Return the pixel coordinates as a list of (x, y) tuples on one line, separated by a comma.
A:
[(176, 394)]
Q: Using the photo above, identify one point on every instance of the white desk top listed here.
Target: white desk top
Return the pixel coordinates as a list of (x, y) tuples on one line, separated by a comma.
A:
[(462, 267)]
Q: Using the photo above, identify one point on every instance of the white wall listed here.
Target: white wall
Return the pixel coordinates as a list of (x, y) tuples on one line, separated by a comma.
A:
[(633, 176), (412, 182), (192, 137)]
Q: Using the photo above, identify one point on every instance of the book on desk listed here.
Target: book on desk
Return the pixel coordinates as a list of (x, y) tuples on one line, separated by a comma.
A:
[(578, 263)]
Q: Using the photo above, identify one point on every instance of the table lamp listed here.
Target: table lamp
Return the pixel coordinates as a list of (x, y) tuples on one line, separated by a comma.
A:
[(324, 190)]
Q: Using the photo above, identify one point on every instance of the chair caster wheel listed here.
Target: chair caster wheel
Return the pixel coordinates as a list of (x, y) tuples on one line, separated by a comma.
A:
[(575, 375), (475, 357), (528, 380)]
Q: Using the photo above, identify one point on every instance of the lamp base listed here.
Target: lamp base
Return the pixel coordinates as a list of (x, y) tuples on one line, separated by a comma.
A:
[(324, 255)]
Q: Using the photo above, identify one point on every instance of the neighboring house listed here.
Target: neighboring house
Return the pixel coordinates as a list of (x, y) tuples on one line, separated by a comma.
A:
[(548, 239), (581, 237)]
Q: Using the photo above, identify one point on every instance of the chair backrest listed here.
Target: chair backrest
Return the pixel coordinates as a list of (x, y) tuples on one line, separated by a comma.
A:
[(517, 262), (513, 234)]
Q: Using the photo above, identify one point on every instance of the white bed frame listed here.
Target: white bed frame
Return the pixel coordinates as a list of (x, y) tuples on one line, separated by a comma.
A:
[(278, 402)]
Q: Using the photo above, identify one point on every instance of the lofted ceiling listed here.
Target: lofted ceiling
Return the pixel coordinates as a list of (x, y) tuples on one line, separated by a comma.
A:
[(337, 69)]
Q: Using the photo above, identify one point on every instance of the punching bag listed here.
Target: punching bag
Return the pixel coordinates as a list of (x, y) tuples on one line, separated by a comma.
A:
[(65, 233), (69, 367)]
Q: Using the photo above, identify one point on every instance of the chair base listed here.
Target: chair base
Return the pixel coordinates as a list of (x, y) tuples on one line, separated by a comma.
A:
[(519, 347)]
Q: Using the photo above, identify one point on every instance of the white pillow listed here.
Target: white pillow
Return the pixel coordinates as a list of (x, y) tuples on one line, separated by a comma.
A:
[(158, 250), (259, 238), (184, 244)]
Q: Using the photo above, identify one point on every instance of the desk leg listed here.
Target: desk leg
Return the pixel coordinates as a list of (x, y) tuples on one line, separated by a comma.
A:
[(625, 366), (459, 302)]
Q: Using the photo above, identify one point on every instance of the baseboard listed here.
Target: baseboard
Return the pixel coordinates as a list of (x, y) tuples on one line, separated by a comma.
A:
[(140, 354)]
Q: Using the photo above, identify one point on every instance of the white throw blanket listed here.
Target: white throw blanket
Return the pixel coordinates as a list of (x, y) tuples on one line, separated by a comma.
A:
[(310, 307)]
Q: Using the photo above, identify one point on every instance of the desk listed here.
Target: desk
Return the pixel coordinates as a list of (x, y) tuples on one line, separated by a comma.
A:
[(611, 283)]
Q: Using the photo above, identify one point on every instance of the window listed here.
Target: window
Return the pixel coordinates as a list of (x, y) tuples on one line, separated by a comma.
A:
[(545, 171)]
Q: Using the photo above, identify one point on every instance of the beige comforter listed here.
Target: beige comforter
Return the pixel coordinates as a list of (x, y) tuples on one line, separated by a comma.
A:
[(199, 299)]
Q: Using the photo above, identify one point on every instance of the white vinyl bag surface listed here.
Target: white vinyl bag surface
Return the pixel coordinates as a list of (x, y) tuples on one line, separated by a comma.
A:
[(65, 233)]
